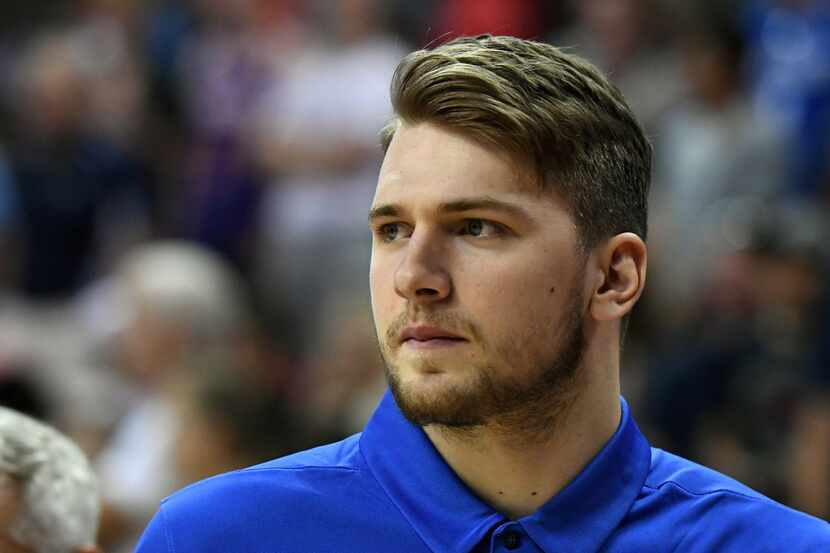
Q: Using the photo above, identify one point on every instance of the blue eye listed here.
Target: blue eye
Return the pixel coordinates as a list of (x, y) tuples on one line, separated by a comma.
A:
[(475, 227), (479, 228), (390, 232), (393, 232)]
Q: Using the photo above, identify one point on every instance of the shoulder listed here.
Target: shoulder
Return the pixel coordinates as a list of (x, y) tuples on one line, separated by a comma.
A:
[(712, 512), (668, 469), (342, 455), (321, 464), (282, 496)]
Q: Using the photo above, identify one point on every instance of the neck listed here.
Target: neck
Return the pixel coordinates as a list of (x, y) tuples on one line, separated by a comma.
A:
[(516, 475)]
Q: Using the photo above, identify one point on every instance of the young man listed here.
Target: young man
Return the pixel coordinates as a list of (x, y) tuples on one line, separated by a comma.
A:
[(48, 495), (509, 224)]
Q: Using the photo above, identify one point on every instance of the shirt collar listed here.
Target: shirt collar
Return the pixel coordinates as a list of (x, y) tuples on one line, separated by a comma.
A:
[(586, 512), (450, 518)]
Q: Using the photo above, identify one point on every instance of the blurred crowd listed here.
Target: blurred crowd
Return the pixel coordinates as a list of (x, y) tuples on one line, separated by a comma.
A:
[(183, 194)]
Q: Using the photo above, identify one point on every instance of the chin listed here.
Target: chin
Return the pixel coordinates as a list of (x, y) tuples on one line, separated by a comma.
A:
[(440, 398)]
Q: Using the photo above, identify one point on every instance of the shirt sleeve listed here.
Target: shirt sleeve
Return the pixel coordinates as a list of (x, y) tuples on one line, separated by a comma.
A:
[(156, 537)]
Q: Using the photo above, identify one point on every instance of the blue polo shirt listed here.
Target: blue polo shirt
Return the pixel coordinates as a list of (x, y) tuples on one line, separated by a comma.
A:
[(388, 490)]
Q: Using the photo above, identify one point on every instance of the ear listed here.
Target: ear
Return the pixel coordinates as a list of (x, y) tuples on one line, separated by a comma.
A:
[(622, 276)]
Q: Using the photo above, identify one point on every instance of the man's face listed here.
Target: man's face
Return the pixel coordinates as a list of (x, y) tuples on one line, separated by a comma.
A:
[(477, 286)]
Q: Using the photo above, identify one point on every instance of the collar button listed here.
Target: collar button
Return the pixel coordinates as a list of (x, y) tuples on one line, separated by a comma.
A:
[(512, 540)]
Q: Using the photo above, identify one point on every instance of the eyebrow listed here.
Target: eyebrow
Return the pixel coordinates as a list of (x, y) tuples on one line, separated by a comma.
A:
[(457, 206)]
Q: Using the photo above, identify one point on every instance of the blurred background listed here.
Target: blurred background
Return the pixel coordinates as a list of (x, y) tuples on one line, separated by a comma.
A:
[(183, 247)]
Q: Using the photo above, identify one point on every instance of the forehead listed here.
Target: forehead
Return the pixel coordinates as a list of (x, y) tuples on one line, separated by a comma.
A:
[(429, 161)]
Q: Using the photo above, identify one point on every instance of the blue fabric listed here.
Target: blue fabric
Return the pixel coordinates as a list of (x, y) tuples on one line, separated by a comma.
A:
[(387, 490)]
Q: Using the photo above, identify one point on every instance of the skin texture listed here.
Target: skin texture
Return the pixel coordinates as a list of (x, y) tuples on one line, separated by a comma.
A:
[(465, 242)]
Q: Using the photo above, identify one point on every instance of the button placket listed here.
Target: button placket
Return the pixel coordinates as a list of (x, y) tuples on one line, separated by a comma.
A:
[(511, 536)]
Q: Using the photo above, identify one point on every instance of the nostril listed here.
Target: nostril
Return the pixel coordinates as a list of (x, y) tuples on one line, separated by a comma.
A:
[(426, 292)]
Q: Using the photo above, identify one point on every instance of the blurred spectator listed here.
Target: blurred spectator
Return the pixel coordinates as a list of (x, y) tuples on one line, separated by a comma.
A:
[(626, 39), (225, 67), (789, 42), (68, 178), (319, 139), (715, 160), (182, 300), (728, 390), (103, 51), (48, 496)]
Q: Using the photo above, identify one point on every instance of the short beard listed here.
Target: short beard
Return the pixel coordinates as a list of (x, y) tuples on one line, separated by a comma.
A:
[(510, 406)]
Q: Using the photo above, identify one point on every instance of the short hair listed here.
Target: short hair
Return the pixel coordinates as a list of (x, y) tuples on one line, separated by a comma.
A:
[(551, 110), (59, 504)]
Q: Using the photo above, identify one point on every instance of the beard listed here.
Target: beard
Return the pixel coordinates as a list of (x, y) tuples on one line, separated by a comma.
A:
[(530, 405)]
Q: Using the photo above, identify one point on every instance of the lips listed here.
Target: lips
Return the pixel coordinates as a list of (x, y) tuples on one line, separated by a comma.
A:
[(428, 333)]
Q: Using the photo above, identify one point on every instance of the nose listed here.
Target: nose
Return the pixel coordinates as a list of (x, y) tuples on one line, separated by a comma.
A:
[(421, 276)]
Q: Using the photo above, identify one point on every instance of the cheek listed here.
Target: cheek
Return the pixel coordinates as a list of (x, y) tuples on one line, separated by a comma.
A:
[(382, 292), (376, 280), (521, 305), (518, 288)]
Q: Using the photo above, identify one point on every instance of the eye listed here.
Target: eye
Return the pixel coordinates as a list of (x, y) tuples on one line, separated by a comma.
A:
[(480, 228), (391, 232)]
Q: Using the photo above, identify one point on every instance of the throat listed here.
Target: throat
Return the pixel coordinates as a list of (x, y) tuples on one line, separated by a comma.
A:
[(516, 474), (512, 479), (517, 504), (514, 482)]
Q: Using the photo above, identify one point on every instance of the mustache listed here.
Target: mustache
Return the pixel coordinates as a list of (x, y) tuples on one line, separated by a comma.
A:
[(448, 320)]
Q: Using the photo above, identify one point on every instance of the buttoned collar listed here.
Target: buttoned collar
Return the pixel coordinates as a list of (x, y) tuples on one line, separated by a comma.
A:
[(450, 518)]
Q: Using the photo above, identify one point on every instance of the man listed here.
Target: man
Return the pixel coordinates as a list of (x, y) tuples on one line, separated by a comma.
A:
[(509, 223), (48, 495)]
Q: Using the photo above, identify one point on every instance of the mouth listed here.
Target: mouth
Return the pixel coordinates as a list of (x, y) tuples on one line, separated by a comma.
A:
[(429, 337)]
